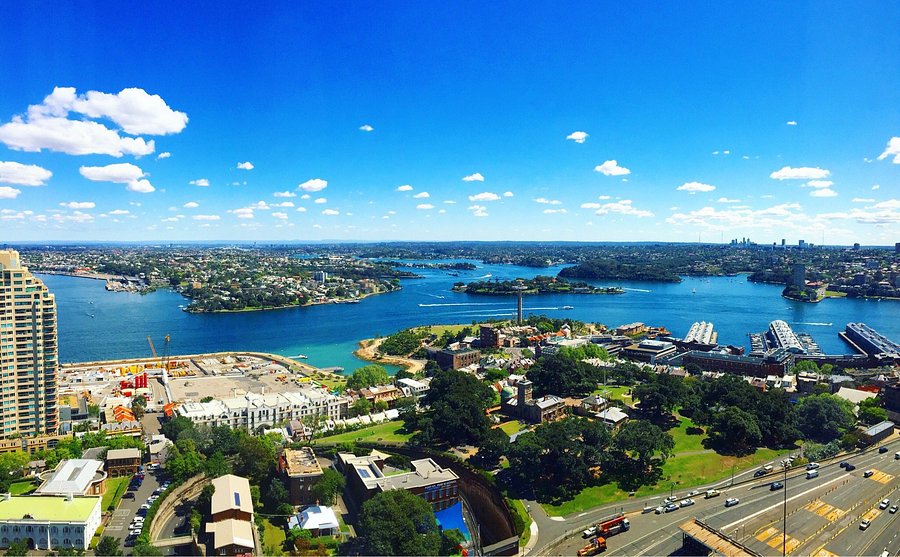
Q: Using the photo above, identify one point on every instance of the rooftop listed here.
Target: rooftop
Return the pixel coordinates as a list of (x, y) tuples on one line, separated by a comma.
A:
[(425, 472), (232, 492), (316, 517), (71, 476), (57, 509), (231, 531), (300, 462), (115, 454)]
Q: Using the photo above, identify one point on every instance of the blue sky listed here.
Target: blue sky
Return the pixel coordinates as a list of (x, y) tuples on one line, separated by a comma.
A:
[(702, 120)]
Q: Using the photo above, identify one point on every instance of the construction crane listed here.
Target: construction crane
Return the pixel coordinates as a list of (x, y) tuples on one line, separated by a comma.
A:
[(164, 361)]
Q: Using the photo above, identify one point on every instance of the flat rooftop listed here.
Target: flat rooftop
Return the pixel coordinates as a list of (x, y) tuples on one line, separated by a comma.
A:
[(71, 476), (48, 509), (425, 472), (301, 462)]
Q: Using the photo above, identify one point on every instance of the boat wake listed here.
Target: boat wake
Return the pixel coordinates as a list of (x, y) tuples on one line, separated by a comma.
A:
[(636, 289), (815, 324), (486, 276), (462, 304)]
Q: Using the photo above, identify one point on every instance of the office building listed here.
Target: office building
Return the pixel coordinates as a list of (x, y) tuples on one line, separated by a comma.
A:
[(455, 359), (489, 336), (430, 481), (798, 275), (28, 357), (534, 410), (649, 351), (778, 362)]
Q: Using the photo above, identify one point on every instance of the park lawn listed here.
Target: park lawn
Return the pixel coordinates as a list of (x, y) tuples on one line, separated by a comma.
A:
[(386, 431), (614, 393), (115, 489), (454, 329), (519, 509), (683, 441), (833, 294), (331, 381), (511, 427), (22, 488), (273, 536)]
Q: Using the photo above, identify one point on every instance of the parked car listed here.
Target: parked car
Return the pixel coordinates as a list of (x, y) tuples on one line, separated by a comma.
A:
[(128, 495), (732, 501), (672, 507), (864, 524), (812, 465), (686, 502), (868, 473), (775, 486), (885, 503), (145, 506)]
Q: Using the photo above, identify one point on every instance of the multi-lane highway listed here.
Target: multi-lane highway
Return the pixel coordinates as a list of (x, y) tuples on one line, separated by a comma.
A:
[(823, 513)]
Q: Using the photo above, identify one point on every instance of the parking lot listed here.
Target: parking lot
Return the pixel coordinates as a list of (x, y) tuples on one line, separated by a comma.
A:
[(117, 526)]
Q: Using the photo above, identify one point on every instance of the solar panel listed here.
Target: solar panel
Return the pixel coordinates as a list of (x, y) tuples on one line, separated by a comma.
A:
[(363, 473), (237, 499)]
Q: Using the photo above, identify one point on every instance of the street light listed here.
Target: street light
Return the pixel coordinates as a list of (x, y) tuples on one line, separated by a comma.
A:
[(784, 514)]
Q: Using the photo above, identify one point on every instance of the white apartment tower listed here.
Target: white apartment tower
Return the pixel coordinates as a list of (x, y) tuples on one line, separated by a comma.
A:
[(28, 356)]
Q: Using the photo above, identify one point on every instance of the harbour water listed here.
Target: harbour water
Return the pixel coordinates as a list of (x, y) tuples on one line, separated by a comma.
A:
[(97, 325)]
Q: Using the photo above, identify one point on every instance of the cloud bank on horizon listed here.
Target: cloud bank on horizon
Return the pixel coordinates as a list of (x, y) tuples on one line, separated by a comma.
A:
[(579, 153)]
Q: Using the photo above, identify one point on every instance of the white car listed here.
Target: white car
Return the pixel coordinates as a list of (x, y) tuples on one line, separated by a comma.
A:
[(732, 501), (671, 498), (864, 524), (145, 506), (589, 532), (693, 493), (885, 503), (686, 503)]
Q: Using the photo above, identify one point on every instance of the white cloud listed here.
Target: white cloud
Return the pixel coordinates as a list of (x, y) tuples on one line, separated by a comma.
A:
[(23, 174), (120, 173), (284, 194), (602, 197), (315, 184), (118, 212), (875, 187), (578, 137), (163, 155), (715, 152), (280, 215), (507, 194), (366, 128), (823, 192), (442, 211), (863, 200), (484, 196), (288, 204), (818, 184), (726, 152), (201, 182), (545, 201), (243, 213), (886, 212), (623, 207), (889, 204), (404, 187), (261, 206), (330, 212), (206, 217), (425, 206), (892, 150), (477, 177), (449, 202), (791, 122), (305, 196), (478, 210), (191, 205), (321, 200), (800, 173), (727, 200), (134, 203), (247, 165), (301, 209), (694, 187), (78, 205), (611, 168), (422, 195), (46, 126), (7, 192), (554, 211), (590, 205)]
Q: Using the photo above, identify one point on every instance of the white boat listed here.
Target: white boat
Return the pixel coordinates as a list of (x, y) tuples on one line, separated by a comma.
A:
[(300, 357), (568, 307)]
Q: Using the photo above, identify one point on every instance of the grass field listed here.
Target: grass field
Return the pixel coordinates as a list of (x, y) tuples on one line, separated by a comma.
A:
[(22, 488), (614, 393), (511, 427), (387, 431), (439, 329), (687, 468), (115, 489), (519, 509), (273, 536)]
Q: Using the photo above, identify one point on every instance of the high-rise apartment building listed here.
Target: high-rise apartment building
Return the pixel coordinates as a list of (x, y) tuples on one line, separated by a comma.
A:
[(28, 354)]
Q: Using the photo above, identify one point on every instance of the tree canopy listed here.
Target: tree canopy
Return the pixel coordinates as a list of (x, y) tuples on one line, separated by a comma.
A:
[(824, 417), (368, 376), (455, 404), (396, 522)]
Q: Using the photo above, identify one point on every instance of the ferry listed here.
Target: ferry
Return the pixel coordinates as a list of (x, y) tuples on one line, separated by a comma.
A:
[(300, 357), (568, 307)]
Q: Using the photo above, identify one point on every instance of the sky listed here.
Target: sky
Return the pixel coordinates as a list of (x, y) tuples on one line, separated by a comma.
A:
[(302, 121)]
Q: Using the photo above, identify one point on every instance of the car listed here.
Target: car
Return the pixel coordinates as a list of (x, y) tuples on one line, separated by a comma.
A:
[(864, 524), (893, 509), (844, 464), (129, 541), (693, 493), (660, 509), (671, 498), (868, 473), (686, 502), (589, 532), (145, 506), (712, 493), (672, 507), (776, 485), (812, 465), (882, 450), (850, 467), (154, 466), (128, 495), (759, 473), (732, 501), (885, 503)]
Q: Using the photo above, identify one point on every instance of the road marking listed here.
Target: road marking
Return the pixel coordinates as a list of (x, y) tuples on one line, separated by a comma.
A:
[(813, 505), (882, 477), (824, 553), (872, 514), (728, 527), (792, 544), (767, 533)]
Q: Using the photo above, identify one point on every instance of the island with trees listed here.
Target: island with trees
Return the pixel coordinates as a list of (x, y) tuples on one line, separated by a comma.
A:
[(537, 285)]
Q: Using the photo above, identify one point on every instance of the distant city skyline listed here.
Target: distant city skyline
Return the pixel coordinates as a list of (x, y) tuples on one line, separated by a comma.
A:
[(572, 122)]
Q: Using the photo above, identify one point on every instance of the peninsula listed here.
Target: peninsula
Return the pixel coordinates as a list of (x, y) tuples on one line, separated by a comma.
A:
[(537, 285)]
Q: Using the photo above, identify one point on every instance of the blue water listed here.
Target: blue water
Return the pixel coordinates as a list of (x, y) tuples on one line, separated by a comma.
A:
[(328, 334)]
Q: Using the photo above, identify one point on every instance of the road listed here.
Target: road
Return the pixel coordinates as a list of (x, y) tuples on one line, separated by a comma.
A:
[(121, 518), (823, 514)]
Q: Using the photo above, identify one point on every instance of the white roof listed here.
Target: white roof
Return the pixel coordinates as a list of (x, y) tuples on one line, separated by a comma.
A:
[(232, 492), (613, 415), (853, 395), (71, 476), (115, 454), (318, 518), (231, 531)]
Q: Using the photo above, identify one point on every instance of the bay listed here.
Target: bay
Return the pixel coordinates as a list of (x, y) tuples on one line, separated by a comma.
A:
[(98, 325)]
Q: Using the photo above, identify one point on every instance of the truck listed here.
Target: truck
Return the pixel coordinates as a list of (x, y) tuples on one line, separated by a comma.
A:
[(612, 527), (594, 547)]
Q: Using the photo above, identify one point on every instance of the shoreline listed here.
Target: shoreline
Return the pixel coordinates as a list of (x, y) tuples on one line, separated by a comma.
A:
[(283, 360), (368, 351)]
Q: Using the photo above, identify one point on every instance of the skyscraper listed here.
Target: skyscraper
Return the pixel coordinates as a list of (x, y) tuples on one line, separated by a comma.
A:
[(28, 357)]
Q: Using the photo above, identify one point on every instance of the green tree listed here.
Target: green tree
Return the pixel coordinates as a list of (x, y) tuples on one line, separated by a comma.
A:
[(329, 486), (277, 494), (735, 431), (368, 376), (108, 546), (138, 406), (217, 465), (563, 374), (660, 396), (361, 407), (456, 401), (11, 465), (824, 417), (146, 549), (492, 448), (17, 549), (256, 457), (642, 441), (870, 411), (396, 522)]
